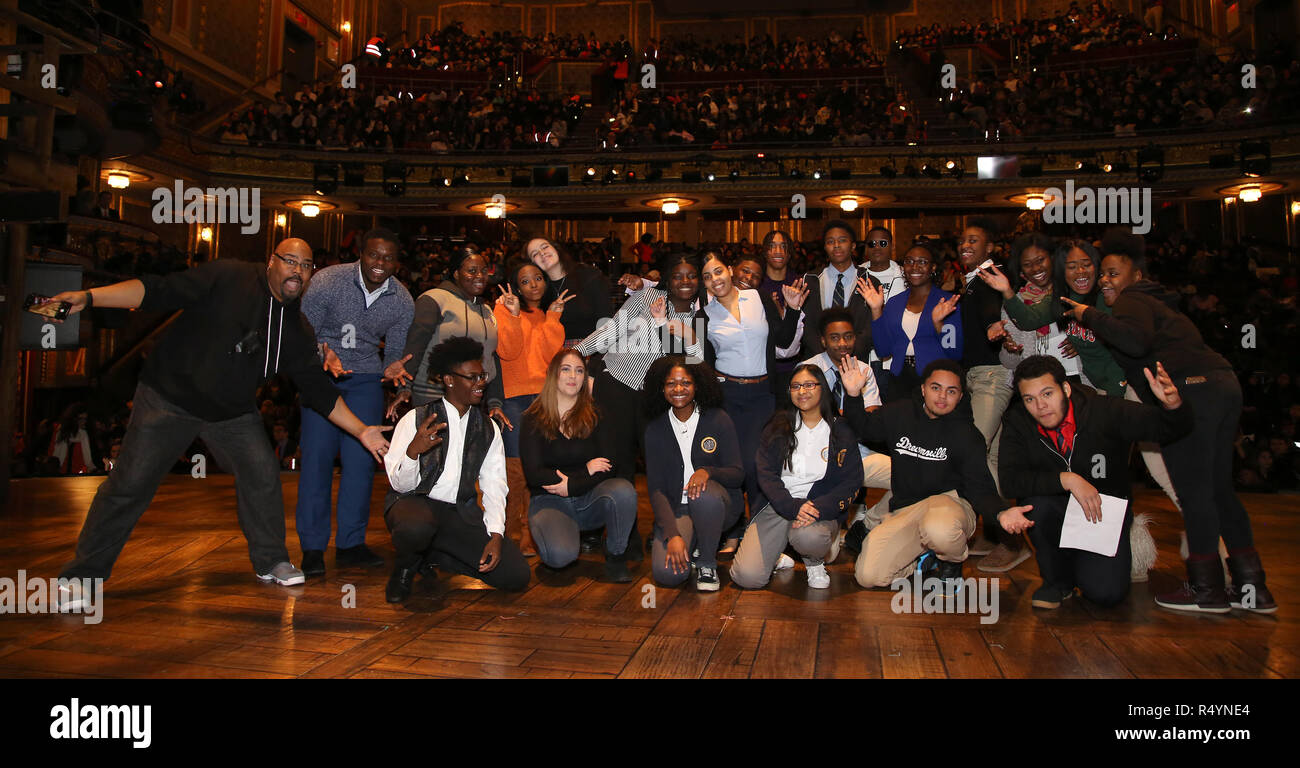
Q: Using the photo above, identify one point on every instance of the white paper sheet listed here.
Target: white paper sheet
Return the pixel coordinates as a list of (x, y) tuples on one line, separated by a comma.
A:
[(1102, 537)]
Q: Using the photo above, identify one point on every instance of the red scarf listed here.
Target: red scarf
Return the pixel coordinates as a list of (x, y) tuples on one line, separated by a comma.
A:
[(1063, 436)]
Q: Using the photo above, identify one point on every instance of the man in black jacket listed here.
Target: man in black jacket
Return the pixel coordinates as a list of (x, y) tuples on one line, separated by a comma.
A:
[(1071, 442), (940, 476), (240, 325), (835, 286), (1144, 326)]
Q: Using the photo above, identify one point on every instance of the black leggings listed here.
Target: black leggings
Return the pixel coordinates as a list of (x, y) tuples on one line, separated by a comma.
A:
[(621, 407), (1103, 580), (422, 527), (1200, 467)]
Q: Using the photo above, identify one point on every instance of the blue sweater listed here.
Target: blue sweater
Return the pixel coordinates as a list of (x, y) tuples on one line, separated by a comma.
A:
[(335, 304), (890, 341)]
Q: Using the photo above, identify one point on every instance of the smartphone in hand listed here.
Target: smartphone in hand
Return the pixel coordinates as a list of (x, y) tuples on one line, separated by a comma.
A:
[(41, 305)]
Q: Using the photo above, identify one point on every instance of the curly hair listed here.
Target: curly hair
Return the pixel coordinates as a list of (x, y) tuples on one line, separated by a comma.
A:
[(708, 392)]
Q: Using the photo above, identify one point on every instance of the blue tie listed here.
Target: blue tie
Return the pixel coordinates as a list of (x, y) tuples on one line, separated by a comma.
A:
[(837, 299)]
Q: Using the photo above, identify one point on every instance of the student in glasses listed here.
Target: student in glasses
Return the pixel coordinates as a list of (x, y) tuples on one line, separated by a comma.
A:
[(240, 324), (917, 326), (809, 471), (568, 454), (693, 471), (441, 451), (742, 330)]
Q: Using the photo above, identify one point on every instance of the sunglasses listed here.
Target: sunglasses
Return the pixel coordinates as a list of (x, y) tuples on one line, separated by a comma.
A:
[(877, 243)]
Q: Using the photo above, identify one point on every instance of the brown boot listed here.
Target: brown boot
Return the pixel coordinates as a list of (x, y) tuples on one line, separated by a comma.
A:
[(1247, 590), (517, 507), (1204, 589)]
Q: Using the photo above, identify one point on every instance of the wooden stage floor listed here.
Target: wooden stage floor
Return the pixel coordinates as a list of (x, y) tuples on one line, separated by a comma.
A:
[(183, 602)]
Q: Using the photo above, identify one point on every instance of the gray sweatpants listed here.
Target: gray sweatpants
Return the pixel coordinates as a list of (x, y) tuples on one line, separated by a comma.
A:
[(766, 538)]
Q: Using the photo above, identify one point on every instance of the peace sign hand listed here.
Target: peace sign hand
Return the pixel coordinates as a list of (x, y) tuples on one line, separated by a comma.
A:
[(509, 300), (557, 306), (426, 436)]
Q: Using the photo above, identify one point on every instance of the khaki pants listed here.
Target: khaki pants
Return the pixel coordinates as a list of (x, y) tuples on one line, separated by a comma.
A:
[(989, 390), (942, 523), (767, 537), (877, 470)]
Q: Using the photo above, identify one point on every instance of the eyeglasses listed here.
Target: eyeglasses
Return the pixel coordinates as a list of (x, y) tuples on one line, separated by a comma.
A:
[(305, 266), (806, 386), (477, 378), (877, 243)]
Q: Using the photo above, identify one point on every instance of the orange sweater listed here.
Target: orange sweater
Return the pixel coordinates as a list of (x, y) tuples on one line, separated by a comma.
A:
[(526, 345)]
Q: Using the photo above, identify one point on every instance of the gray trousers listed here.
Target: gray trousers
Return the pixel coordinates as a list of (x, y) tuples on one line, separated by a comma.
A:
[(556, 521), (700, 523), (767, 537)]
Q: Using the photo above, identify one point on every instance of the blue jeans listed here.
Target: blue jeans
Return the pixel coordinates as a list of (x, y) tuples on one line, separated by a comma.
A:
[(321, 442), (556, 522), (514, 408), (159, 432)]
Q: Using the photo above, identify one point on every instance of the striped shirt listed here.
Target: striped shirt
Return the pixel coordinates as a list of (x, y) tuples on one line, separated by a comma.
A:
[(634, 339)]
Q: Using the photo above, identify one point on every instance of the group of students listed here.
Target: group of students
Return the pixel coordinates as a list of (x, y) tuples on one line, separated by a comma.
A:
[(763, 402)]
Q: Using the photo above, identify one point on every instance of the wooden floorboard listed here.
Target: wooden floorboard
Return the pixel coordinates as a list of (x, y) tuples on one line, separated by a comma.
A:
[(183, 603)]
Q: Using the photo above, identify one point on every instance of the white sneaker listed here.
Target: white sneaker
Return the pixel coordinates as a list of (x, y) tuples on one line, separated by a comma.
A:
[(71, 597), (818, 578), (783, 563), (859, 513), (285, 574)]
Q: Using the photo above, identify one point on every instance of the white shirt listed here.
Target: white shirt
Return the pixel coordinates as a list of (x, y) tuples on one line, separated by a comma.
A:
[(808, 464), (404, 472), (830, 276), (370, 297), (870, 391), (911, 322), (684, 431), (741, 344), (891, 278)]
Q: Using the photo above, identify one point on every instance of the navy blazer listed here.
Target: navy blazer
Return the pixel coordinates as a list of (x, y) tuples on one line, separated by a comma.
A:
[(832, 494), (890, 341), (715, 447)]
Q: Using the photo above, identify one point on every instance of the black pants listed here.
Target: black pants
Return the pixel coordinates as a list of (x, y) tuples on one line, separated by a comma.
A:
[(1103, 580), (423, 527), (621, 408), (1200, 467), (159, 432)]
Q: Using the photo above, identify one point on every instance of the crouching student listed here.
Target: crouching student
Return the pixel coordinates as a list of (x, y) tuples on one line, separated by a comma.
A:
[(809, 470), (940, 475), (693, 471), (438, 452), (1068, 441), (568, 451)]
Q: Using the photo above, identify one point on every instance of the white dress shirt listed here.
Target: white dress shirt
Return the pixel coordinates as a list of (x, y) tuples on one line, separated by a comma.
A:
[(741, 345), (684, 431), (808, 464), (404, 472)]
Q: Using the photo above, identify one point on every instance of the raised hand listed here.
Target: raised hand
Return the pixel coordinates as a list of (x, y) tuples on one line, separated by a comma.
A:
[(331, 363), (999, 282), (795, 293), (557, 306), (659, 308), (1074, 309), (558, 489), (632, 282), (942, 309), (426, 436), (852, 377), (1013, 519), (396, 372), (874, 296), (509, 300), (1163, 387)]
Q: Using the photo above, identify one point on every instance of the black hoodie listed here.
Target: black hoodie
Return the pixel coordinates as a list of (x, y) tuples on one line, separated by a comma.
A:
[(930, 456), (1146, 326)]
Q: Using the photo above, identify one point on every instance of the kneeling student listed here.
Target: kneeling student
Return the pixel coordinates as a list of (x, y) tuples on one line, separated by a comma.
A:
[(809, 470), (1068, 441), (940, 475), (438, 452), (693, 471)]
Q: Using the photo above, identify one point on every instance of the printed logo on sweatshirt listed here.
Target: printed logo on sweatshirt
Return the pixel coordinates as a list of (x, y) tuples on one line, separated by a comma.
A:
[(905, 447)]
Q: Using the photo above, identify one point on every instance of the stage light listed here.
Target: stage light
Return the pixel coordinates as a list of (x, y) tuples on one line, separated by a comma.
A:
[(950, 165), (1256, 158), (709, 176), (119, 180), (629, 176), (591, 172), (205, 234), (611, 176), (494, 211), (1087, 166), (817, 174), (931, 171), (1250, 194), (309, 210), (735, 175), (848, 204), (1108, 167), (325, 178), (1035, 202), (670, 207)]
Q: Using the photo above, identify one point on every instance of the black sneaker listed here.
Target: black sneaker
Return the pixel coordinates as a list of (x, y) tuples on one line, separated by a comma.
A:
[(591, 541), (855, 537), (706, 579), (313, 563), (1051, 596), (360, 555)]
